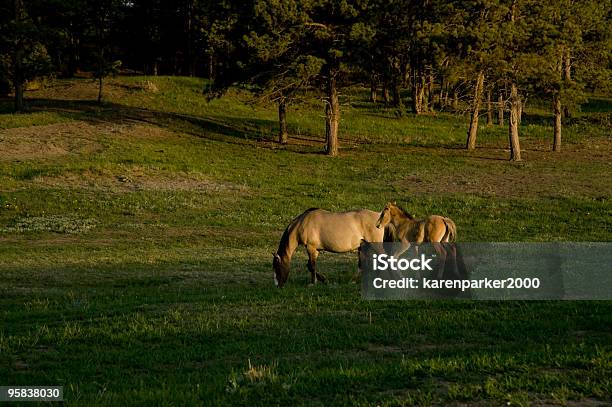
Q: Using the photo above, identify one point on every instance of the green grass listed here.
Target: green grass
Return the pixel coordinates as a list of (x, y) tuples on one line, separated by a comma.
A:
[(135, 253)]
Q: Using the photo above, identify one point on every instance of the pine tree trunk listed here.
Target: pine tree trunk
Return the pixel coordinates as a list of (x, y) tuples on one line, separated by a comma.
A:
[(421, 98), (419, 103), (557, 132), (489, 109), (100, 88), (332, 116), (500, 109), (373, 88), (473, 130), (567, 75), (18, 75), (18, 79), (417, 97), (397, 101), (283, 134), (211, 66), (430, 91), (513, 127), (385, 92), (18, 96)]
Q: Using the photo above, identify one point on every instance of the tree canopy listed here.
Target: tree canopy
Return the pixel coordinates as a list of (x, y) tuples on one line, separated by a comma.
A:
[(447, 55)]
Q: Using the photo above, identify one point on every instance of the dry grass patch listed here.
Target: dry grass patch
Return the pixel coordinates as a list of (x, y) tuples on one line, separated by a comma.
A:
[(50, 141), (136, 179), (61, 139), (539, 175)]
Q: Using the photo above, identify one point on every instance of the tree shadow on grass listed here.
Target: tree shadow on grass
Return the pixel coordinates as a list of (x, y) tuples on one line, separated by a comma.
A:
[(234, 130)]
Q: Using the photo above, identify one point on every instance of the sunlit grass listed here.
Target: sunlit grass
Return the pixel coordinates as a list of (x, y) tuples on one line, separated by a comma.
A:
[(139, 271)]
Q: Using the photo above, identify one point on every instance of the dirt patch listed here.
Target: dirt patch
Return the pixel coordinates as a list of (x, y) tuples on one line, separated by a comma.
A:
[(538, 175), (42, 142), (587, 402), (79, 137), (378, 348), (136, 179)]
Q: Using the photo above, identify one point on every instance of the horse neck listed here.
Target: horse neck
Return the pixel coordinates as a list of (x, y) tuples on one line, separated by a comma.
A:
[(401, 220), (288, 244)]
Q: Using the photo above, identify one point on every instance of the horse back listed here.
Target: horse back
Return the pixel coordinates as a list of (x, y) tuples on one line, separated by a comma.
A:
[(339, 231)]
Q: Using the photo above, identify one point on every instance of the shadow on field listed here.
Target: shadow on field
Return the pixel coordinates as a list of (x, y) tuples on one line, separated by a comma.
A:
[(226, 129)]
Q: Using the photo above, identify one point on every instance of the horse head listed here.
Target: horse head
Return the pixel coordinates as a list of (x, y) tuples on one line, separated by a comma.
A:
[(385, 216), (281, 270)]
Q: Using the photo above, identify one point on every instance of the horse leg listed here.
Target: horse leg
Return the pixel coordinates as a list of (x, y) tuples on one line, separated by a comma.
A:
[(445, 240), (356, 276), (405, 245), (453, 254), (442, 256), (312, 265)]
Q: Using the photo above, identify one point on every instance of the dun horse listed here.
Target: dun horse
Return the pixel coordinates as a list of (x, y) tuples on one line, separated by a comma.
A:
[(321, 230), (433, 229)]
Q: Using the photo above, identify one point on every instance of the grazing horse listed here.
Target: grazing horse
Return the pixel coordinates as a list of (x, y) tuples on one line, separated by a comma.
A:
[(433, 229), (321, 230)]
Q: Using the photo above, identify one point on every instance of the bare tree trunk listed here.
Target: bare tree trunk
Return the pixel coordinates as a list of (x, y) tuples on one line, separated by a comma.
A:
[(473, 130), (557, 132), (513, 129), (332, 116), (489, 109), (500, 109), (283, 134)]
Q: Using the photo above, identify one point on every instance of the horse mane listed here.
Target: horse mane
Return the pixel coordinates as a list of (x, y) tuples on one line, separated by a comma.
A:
[(404, 212), (285, 238)]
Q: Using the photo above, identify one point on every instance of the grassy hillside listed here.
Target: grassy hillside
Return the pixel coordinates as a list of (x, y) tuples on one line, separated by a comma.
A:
[(136, 241)]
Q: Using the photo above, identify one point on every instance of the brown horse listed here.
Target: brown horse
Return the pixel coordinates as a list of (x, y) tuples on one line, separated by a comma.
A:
[(434, 229), (321, 230)]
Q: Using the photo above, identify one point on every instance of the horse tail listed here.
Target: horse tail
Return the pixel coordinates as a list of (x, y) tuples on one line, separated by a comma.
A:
[(451, 230)]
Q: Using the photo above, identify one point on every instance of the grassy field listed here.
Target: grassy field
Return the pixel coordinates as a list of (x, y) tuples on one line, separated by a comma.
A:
[(136, 241)]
